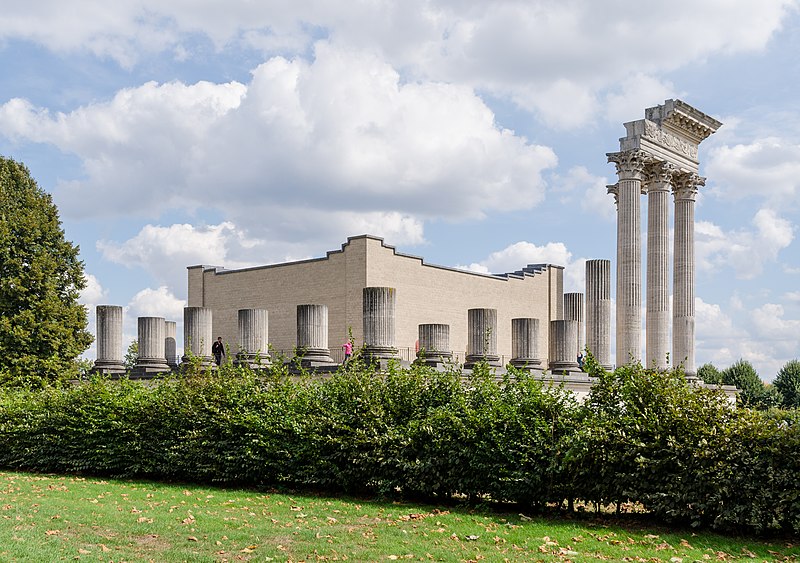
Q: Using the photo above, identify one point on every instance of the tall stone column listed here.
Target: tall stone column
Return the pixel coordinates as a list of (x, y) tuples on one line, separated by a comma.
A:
[(563, 347), (312, 334), (525, 343), (434, 344), (253, 335), (170, 344), (379, 322), (109, 340), (598, 310), (151, 360), (683, 273), (573, 311), (658, 187), (197, 335), (630, 165), (481, 338)]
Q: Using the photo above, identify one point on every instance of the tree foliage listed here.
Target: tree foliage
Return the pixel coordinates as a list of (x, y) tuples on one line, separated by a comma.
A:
[(42, 325), (743, 375), (709, 374), (788, 384)]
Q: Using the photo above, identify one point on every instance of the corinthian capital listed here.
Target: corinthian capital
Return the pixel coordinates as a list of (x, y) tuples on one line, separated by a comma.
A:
[(658, 175), (685, 186), (630, 164)]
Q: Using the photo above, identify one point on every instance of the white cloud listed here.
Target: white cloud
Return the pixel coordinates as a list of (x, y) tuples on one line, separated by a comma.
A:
[(636, 92), (746, 251), (93, 294), (768, 169), (158, 302), (551, 57), (341, 135), (520, 254), (165, 252)]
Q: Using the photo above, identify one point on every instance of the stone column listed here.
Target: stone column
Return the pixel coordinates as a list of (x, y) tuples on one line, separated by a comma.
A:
[(598, 310), (434, 344), (525, 343), (312, 335), (170, 344), (109, 340), (481, 338), (563, 347), (683, 273), (197, 335), (630, 165), (151, 360), (253, 338), (658, 188), (379, 322), (573, 311)]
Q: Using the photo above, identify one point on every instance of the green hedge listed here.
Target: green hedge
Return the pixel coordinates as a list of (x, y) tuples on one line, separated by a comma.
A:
[(643, 436)]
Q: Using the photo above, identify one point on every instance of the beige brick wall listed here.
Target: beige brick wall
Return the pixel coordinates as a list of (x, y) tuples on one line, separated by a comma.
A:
[(425, 294)]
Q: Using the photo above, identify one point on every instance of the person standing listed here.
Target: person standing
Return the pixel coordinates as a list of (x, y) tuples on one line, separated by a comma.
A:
[(348, 350), (218, 349)]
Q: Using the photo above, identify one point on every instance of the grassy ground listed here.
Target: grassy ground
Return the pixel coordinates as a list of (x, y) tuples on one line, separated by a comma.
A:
[(46, 518)]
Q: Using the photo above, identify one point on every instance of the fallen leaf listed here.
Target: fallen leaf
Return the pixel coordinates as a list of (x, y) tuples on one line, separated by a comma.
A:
[(192, 538), (52, 532)]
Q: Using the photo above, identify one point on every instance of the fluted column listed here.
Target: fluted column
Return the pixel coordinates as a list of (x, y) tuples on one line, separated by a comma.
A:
[(312, 333), (657, 326), (481, 337), (434, 343), (170, 344), (563, 346), (109, 340), (253, 332), (598, 310), (573, 311), (379, 322), (525, 343), (197, 334), (630, 165), (151, 360), (683, 272)]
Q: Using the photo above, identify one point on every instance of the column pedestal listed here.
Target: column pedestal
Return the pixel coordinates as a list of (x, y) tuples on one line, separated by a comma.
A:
[(151, 361), (481, 338), (109, 341), (525, 344), (253, 325)]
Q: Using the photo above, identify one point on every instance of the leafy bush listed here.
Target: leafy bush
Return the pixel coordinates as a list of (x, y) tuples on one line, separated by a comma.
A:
[(643, 436)]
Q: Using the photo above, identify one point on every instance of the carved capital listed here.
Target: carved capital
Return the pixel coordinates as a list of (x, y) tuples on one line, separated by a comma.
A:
[(685, 186), (658, 176), (630, 164), (613, 189)]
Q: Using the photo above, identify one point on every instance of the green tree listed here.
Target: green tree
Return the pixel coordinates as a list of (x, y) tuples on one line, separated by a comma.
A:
[(131, 354), (709, 374), (42, 325), (743, 375), (788, 384)]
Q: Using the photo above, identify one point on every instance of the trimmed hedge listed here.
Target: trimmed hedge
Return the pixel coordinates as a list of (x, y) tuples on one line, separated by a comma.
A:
[(643, 436)]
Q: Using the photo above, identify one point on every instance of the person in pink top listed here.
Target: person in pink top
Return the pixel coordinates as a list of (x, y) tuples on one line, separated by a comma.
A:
[(348, 350)]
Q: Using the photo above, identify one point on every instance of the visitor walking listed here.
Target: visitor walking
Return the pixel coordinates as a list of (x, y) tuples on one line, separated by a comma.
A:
[(218, 349)]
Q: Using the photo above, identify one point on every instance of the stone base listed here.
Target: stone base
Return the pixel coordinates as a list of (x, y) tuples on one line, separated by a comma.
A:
[(473, 359), (433, 358), (311, 366), (205, 362), (253, 361), (372, 353), (558, 368), (107, 367), (526, 363), (579, 383), (149, 368)]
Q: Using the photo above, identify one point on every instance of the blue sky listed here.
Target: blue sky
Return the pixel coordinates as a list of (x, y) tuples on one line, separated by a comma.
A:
[(474, 134)]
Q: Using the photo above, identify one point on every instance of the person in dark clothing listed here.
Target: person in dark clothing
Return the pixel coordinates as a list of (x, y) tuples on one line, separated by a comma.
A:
[(218, 349)]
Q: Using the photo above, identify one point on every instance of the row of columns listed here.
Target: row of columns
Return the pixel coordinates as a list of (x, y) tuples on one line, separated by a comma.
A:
[(157, 346), (639, 173)]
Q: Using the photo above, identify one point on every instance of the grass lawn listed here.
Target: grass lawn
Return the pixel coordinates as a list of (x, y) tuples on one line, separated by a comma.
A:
[(45, 518)]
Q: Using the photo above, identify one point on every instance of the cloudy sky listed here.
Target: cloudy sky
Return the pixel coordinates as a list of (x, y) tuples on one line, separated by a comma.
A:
[(472, 133)]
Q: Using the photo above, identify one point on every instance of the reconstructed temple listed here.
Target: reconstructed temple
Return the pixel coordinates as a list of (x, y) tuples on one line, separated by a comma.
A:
[(394, 303), (658, 156)]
